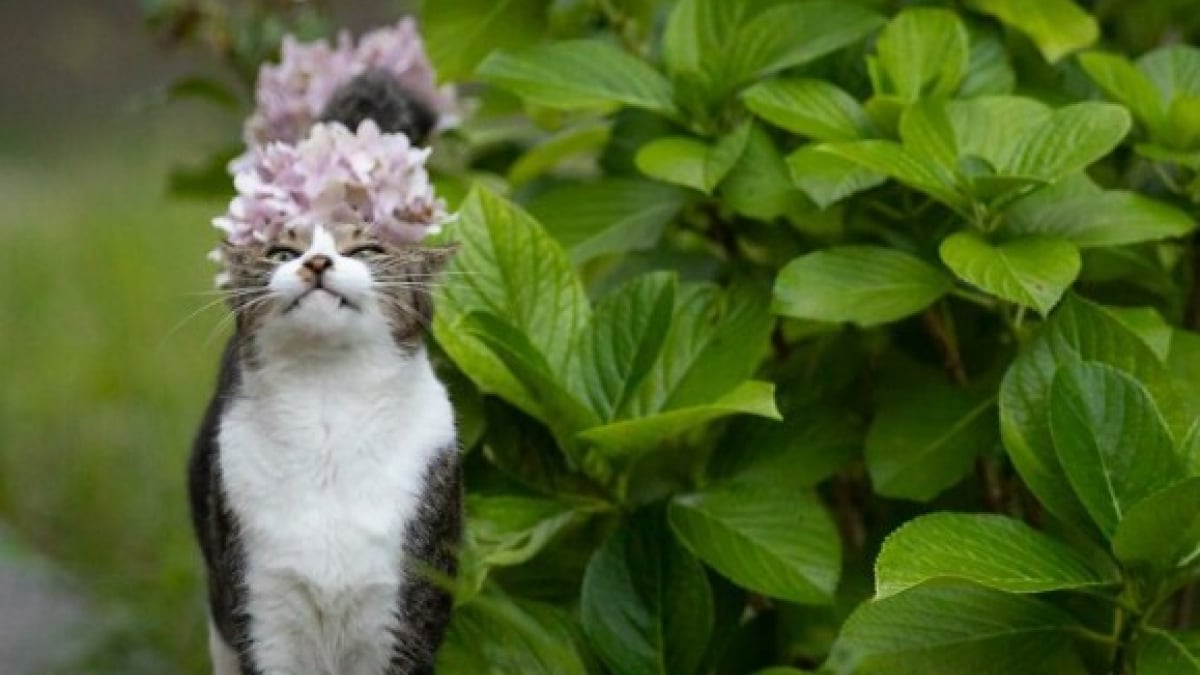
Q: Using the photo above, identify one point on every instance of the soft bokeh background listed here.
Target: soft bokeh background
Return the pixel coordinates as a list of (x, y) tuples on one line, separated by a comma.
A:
[(107, 351)]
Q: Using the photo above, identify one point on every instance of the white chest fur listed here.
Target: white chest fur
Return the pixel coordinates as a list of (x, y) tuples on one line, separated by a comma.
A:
[(323, 465)]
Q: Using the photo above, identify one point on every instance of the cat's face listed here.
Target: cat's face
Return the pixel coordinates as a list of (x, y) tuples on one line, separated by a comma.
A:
[(332, 285)]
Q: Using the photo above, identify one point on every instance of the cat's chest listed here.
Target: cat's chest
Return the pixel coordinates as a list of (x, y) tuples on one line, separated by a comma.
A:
[(323, 483)]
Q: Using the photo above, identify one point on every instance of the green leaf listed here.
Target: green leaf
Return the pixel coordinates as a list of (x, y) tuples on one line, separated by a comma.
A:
[(551, 400), (1033, 272), (1183, 122), (1174, 70), (794, 33), (459, 34), (621, 343), (989, 127), (493, 635), (827, 178), (1109, 218), (813, 108), (1077, 331), (510, 529), (780, 543), (583, 140), (894, 160), (1058, 27), (507, 266), (1125, 83), (725, 154), (867, 285), (1147, 324), (1069, 141), (989, 71), (1111, 439), (679, 160), (579, 74), (1161, 533), (629, 437), (760, 186), (608, 216), (925, 437), (989, 550), (507, 530), (928, 135), (690, 162), (962, 629), (1161, 652), (646, 603), (922, 52), (808, 446)]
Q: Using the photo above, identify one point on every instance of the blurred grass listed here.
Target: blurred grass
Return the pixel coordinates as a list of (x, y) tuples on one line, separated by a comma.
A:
[(103, 387)]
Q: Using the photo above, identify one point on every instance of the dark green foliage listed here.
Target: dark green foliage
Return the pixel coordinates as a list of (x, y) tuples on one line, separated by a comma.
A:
[(811, 284)]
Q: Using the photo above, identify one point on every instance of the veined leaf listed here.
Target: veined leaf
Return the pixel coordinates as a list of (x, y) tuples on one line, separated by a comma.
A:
[(646, 603), (1113, 444), (862, 284), (1161, 652), (1161, 533), (620, 344), (827, 178), (813, 108), (963, 629), (989, 550), (507, 266), (922, 52), (1077, 331), (459, 34), (628, 437), (777, 542), (1125, 83), (1058, 27), (1110, 218), (794, 33), (894, 160), (1174, 70), (717, 339), (1072, 138), (679, 160), (611, 215), (690, 162), (925, 437), (759, 186), (493, 635), (579, 74), (1033, 272)]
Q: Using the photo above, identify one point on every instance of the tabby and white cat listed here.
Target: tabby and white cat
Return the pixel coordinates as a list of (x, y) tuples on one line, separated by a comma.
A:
[(325, 482)]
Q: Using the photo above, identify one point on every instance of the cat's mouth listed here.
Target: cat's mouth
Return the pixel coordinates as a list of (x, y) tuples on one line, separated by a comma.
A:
[(343, 303)]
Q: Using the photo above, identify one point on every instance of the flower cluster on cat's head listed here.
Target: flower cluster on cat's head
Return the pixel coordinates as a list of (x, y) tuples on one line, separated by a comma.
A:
[(334, 176), (291, 95)]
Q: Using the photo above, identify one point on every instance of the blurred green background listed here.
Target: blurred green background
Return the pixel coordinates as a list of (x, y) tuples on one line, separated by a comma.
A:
[(107, 348)]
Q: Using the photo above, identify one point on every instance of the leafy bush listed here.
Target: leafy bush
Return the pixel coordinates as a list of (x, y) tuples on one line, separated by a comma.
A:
[(824, 335)]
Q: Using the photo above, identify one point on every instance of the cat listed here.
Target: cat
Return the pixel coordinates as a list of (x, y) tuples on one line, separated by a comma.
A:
[(325, 482)]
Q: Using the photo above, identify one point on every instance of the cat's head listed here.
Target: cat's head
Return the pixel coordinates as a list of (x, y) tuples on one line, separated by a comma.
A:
[(332, 286)]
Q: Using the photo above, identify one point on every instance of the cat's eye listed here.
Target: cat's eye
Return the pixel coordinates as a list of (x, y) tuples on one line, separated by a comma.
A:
[(282, 254), (365, 252)]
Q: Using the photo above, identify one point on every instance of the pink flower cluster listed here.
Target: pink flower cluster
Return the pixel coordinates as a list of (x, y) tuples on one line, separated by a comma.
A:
[(291, 95), (334, 176)]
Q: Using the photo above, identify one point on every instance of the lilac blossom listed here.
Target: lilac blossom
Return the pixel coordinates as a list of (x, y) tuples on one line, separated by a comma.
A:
[(290, 95), (334, 176)]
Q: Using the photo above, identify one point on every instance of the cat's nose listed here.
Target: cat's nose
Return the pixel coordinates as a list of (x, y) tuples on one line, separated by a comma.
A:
[(318, 263)]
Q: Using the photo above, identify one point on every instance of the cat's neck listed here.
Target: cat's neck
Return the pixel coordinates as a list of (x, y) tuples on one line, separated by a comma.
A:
[(274, 364)]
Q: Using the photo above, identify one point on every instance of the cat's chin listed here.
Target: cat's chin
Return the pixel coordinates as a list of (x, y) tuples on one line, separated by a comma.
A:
[(322, 316)]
